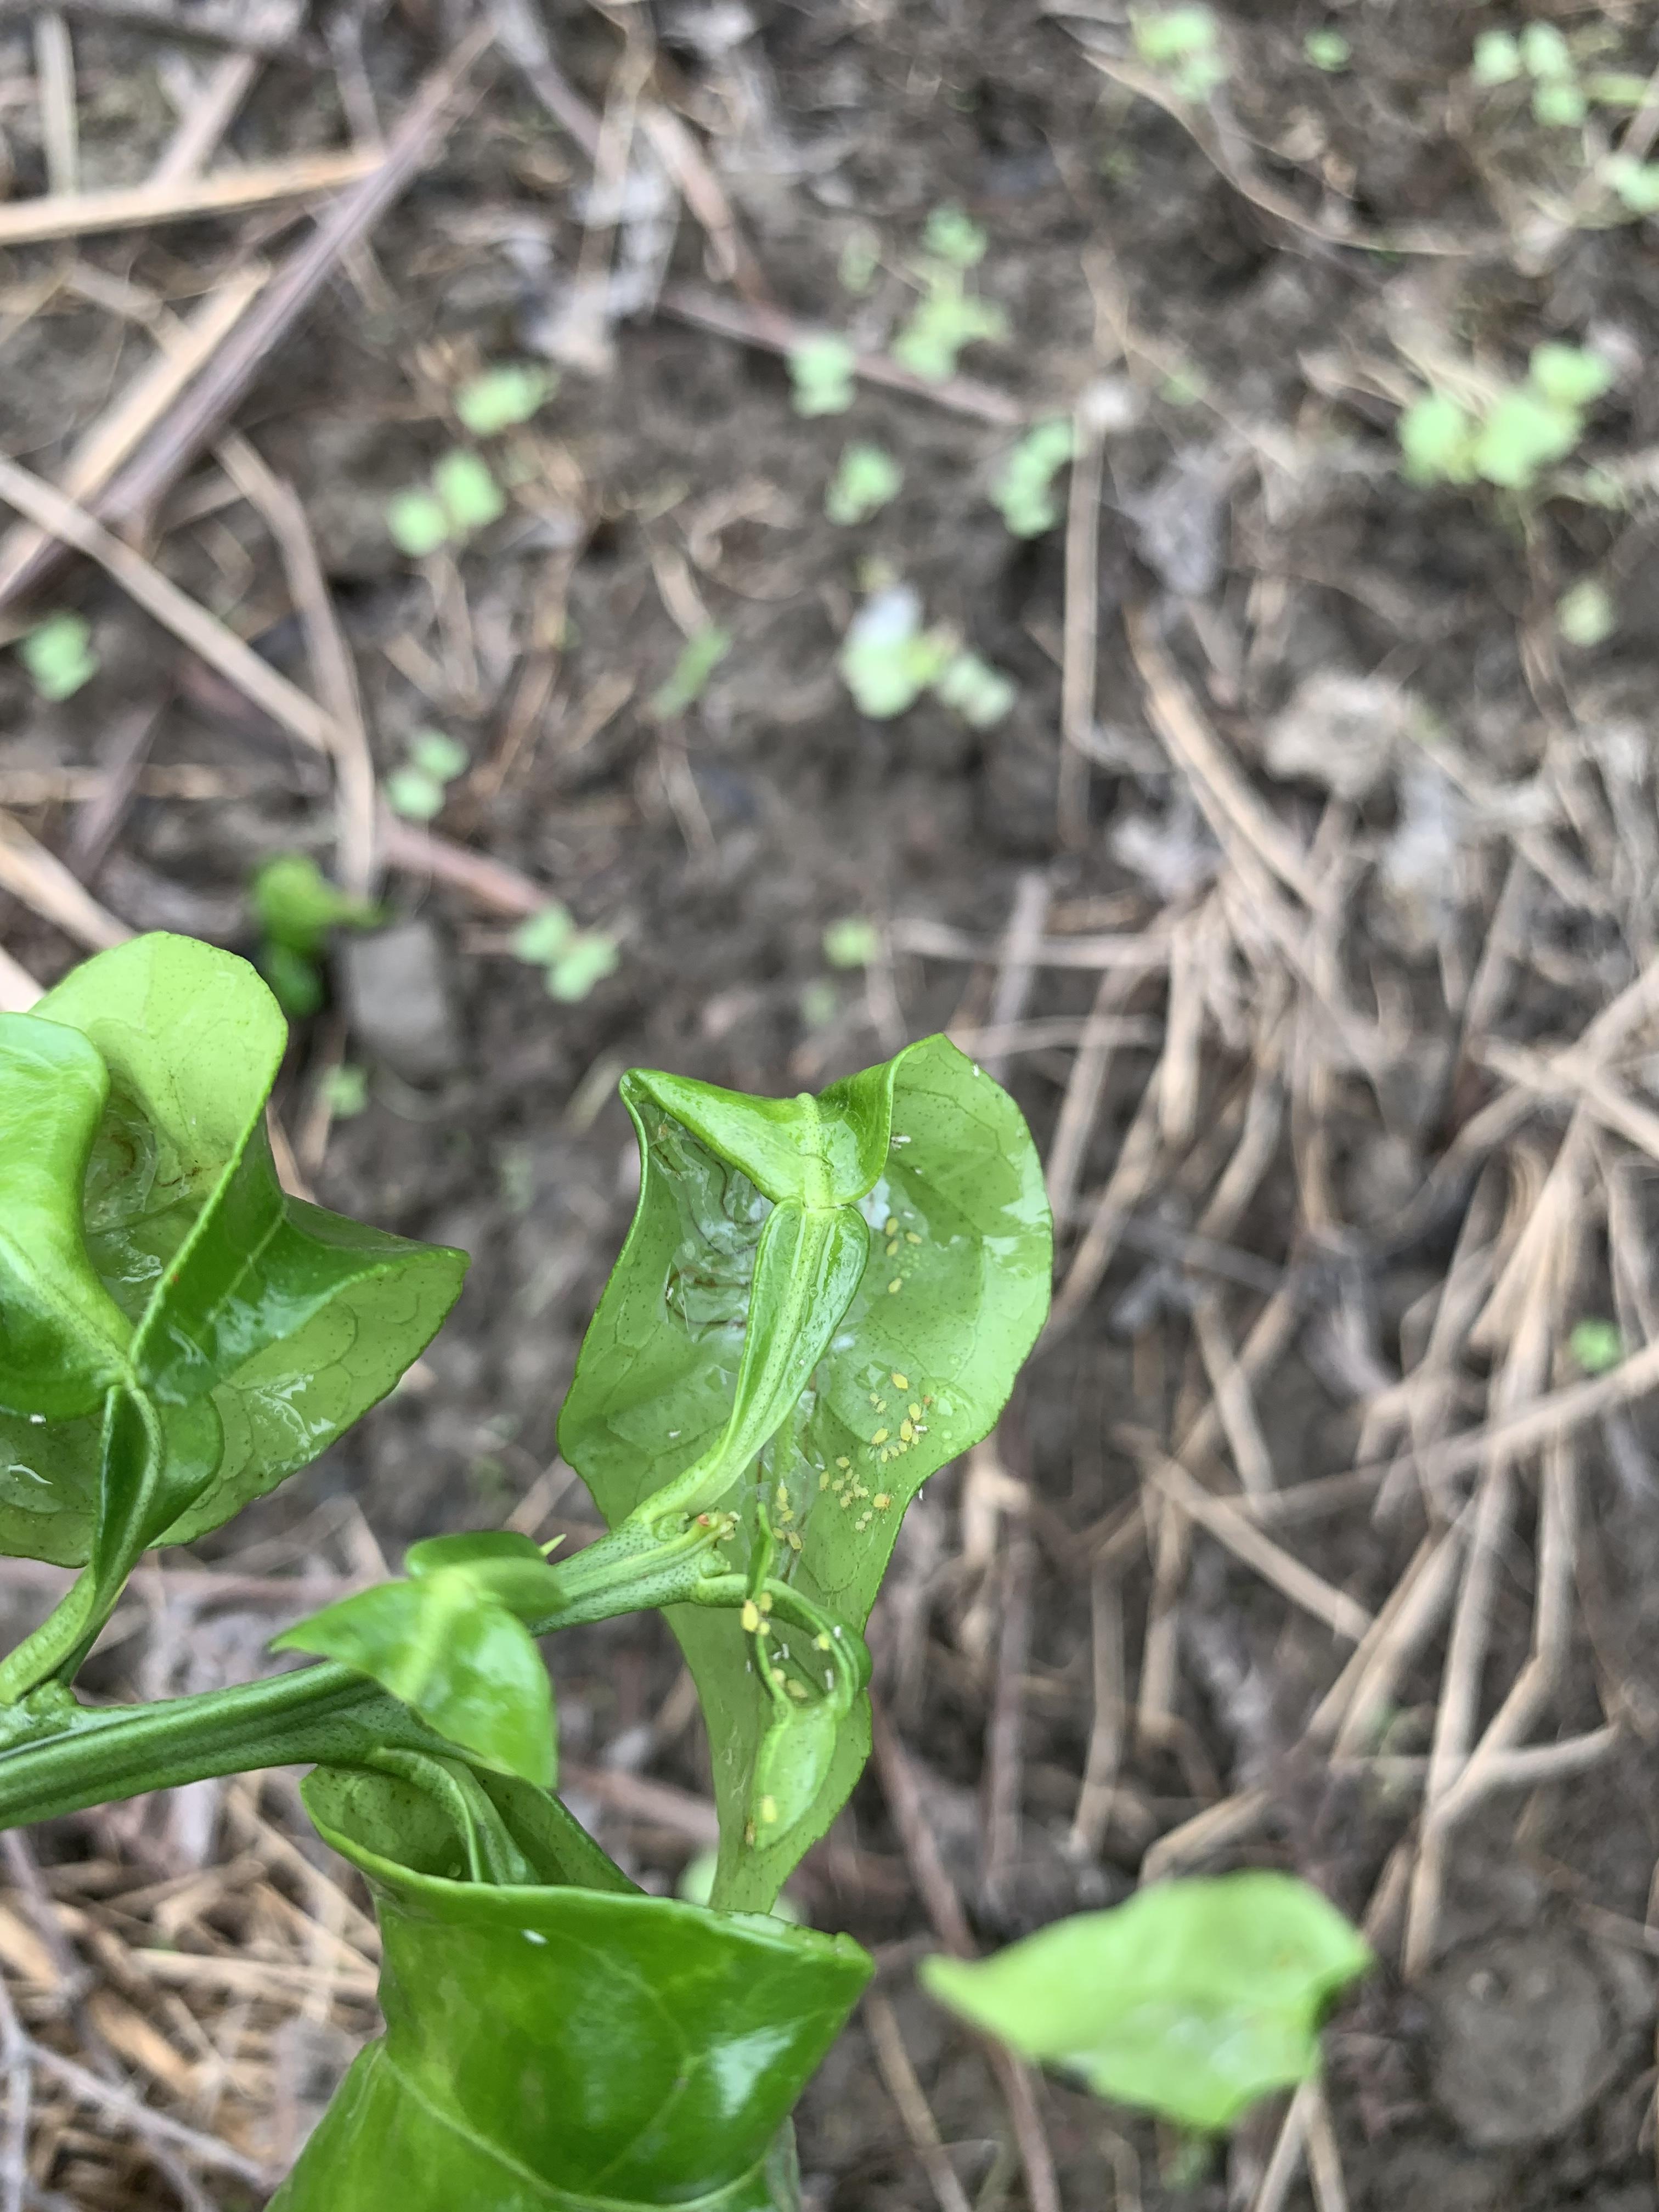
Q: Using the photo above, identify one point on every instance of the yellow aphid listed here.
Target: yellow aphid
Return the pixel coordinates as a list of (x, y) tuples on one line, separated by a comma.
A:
[(766, 1600), (881, 1501), (915, 1411), (874, 1400), (798, 1691), (886, 1454), (896, 1286), (901, 1381), (768, 1810), (823, 1479), (892, 1249), (750, 1616), (891, 1229), (906, 1431), (879, 1438), (821, 1643), (749, 1833), (843, 1462), (911, 1237), (792, 1541)]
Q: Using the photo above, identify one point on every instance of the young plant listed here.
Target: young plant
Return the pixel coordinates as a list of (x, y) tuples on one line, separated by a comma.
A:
[(700, 656), (58, 655), (463, 497), (503, 396), (1182, 44), (416, 788), (866, 479), (572, 960), (820, 1301), (1193, 2000), (888, 661), (298, 910), (1509, 435), (821, 376), (1024, 492)]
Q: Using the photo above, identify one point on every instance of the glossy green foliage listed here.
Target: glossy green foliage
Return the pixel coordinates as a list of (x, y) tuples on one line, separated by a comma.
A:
[(452, 1642), (550, 2048), (847, 1286), (193, 1333), (1193, 2000)]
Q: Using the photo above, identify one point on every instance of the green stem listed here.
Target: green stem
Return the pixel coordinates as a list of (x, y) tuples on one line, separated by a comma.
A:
[(47, 1648)]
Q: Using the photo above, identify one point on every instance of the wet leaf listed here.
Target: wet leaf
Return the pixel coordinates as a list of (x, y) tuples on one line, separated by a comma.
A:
[(1193, 2000), (937, 1170), (588, 2048)]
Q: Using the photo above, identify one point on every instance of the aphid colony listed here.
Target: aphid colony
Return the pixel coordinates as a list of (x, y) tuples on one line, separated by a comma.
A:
[(888, 1441)]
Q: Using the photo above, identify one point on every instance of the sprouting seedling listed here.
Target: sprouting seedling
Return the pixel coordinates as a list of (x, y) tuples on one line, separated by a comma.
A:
[(1541, 55), (700, 656), (58, 655), (298, 910), (1597, 1345), (852, 942), (1193, 2000), (1183, 46), (1024, 492), (955, 237), (416, 789), (572, 960), (345, 1092), (866, 479), (1585, 615), (888, 660), (1509, 437), (948, 317), (822, 372), (1328, 50), (463, 497), (501, 396), (1635, 183)]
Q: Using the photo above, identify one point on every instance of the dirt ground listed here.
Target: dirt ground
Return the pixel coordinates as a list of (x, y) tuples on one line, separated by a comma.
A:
[(1302, 894)]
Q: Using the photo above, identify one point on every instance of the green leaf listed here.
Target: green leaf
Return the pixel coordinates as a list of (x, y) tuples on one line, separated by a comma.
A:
[(1522, 436), (851, 942), (1436, 439), (499, 397), (1497, 58), (971, 687), (692, 1363), (1559, 107), (295, 980), (947, 319), (414, 794), (1328, 50), (822, 372), (1193, 2000), (1585, 616), (700, 657), (58, 655), (562, 2048), (1598, 1346), (63, 1340), (438, 755), (866, 479), (955, 237), (455, 1655), (260, 1327), (1172, 34), (418, 522), (586, 962), (1544, 54), (1023, 492), (1568, 376), (471, 496), (1636, 183), (296, 906), (544, 935), (886, 659)]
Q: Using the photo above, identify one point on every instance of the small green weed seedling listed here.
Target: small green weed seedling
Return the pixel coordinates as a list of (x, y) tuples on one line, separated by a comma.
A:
[(852, 942), (416, 789), (1509, 435), (1328, 50), (819, 1302), (1585, 615), (1194, 2000), (298, 910), (700, 657), (503, 396), (866, 479), (1024, 492), (821, 372), (1541, 56), (1597, 1345), (888, 660), (1184, 47), (463, 498), (58, 656), (572, 960)]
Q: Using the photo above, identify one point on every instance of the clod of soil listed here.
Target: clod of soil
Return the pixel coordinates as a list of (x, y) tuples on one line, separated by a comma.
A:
[(1522, 2038)]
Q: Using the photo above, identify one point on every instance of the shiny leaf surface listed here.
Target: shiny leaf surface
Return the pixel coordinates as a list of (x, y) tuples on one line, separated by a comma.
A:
[(455, 1655), (555, 2049), (258, 1326), (1193, 2000), (939, 1168)]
